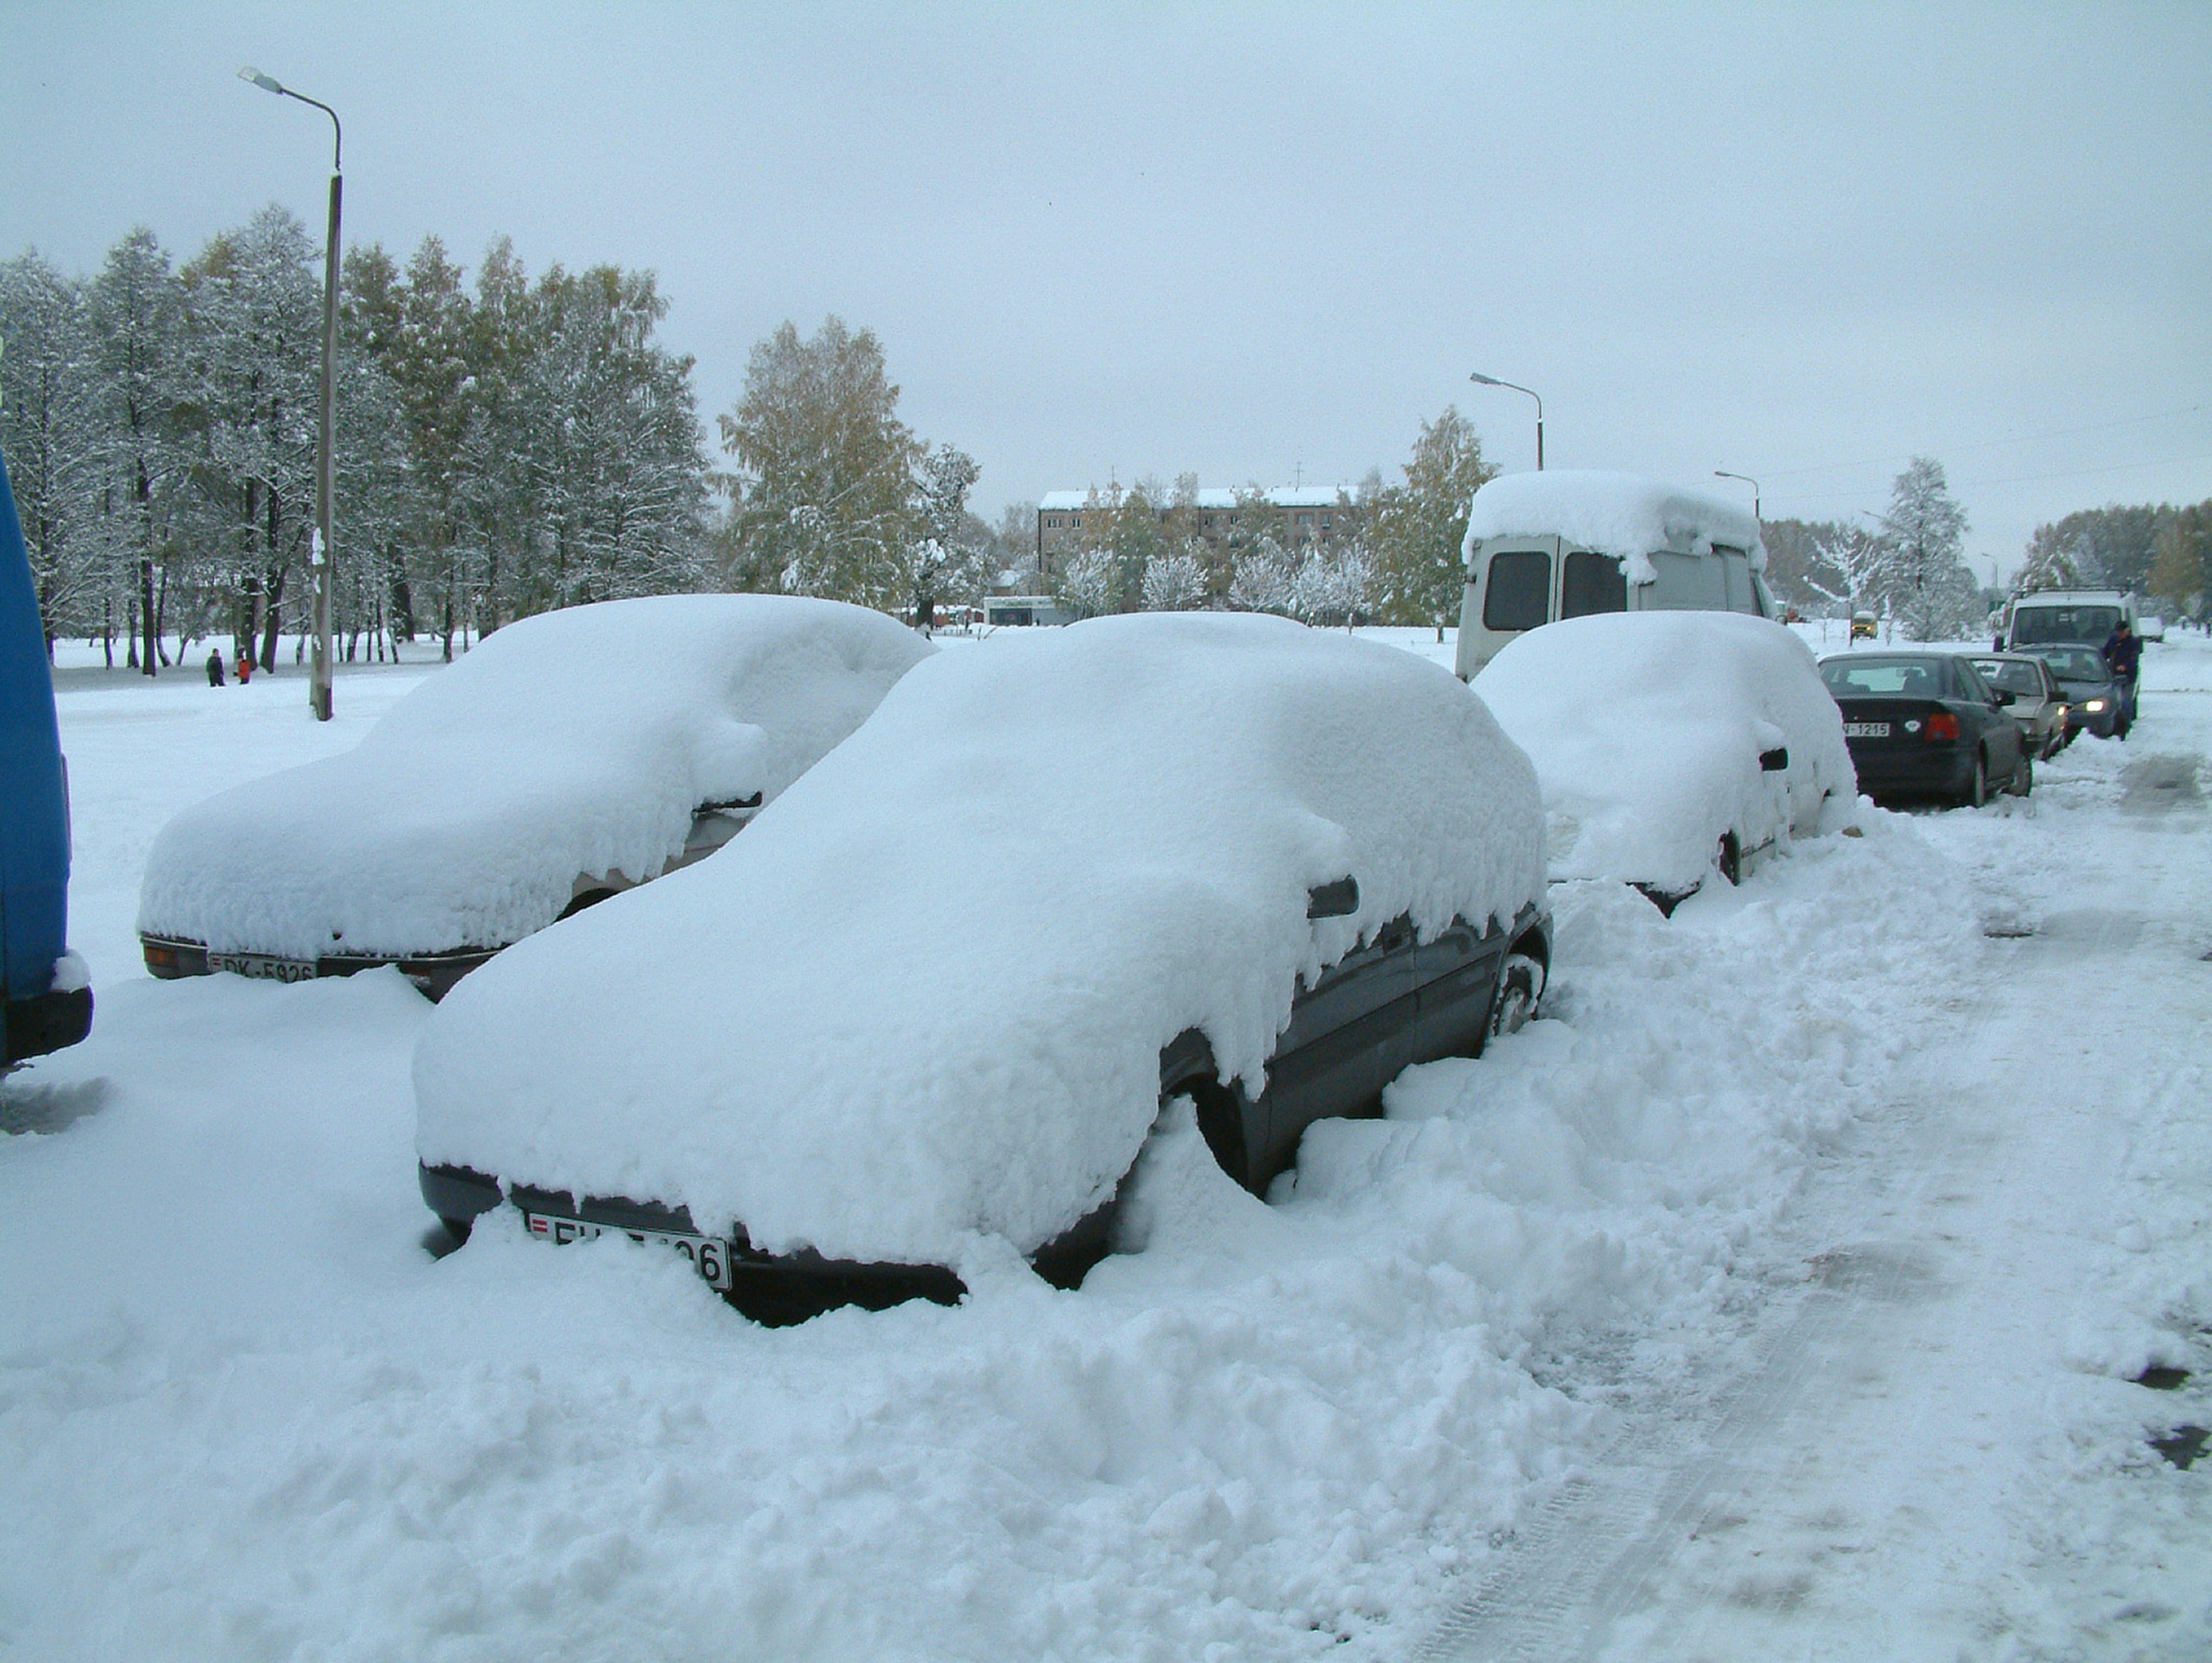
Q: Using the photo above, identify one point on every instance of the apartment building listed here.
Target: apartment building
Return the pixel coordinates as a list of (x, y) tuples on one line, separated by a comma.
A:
[(1299, 513)]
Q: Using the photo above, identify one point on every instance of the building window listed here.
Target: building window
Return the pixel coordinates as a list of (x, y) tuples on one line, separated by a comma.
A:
[(1076, 521), (1305, 520), (1052, 524)]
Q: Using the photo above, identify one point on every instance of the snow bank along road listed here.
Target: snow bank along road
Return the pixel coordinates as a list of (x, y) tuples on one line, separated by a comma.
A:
[(1779, 1295)]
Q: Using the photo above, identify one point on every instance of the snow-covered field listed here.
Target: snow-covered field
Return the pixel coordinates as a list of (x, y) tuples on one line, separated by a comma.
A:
[(1779, 1295)]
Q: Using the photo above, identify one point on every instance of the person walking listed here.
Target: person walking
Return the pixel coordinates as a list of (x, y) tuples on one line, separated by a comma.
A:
[(245, 668), (215, 666), (2124, 656)]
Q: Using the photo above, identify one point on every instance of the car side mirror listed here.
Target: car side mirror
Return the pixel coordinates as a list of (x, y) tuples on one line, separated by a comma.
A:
[(1774, 761), (1337, 900)]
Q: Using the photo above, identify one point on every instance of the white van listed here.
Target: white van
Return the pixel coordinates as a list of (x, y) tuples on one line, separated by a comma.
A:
[(1545, 546), (2080, 617)]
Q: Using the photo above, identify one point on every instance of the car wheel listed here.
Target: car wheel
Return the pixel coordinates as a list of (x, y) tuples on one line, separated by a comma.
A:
[(1221, 1123), (2023, 777), (1520, 989), (589, 898), (1977, 788), (1729, 859)]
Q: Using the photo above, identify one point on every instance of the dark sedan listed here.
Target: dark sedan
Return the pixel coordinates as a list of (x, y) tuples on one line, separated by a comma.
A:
[(2085, 681), (1926, 726)]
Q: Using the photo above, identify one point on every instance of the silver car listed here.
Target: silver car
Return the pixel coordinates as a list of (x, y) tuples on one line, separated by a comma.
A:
[(2032, 698)]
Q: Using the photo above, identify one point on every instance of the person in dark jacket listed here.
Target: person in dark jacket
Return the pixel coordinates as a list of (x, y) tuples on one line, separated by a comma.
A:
[(2123, 655), (215, 667)]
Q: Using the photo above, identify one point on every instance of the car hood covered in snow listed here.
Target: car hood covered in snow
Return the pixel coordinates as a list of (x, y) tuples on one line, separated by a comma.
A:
[(1646, 729), (573, 743), (924, 996)]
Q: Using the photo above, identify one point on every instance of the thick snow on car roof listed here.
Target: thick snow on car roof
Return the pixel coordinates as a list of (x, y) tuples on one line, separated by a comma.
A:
[(576, 742), (1646, 730), (1616, 514), (924, 995)]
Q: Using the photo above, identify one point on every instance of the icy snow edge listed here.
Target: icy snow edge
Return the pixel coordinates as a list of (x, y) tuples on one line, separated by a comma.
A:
[(1620, 514), (576, 742), (925, 994)]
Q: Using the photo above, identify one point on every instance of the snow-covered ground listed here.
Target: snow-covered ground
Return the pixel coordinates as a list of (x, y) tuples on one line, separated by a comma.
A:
[(1778, 1295)]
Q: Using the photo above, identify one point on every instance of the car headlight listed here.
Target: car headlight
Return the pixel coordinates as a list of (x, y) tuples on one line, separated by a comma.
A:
[(2093, 706)]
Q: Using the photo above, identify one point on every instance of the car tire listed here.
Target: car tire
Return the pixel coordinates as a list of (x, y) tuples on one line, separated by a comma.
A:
[(1520, 991), (1728, 859), (589, 898), (2023, 777), (1977, 786), (1220, 1111)]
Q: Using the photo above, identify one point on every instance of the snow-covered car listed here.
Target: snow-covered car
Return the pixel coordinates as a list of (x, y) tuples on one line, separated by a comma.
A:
[(1215, 856), (567, 757), (1671, 745)]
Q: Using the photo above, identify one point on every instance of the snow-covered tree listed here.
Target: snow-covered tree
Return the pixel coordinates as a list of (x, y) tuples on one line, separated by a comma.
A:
[(1919, 576), (948, 561), (1088, 583), (48, 398), (825, 475), (1264, 577), (136, 343), (1416, 528), (1175, 582), (1334, 585)]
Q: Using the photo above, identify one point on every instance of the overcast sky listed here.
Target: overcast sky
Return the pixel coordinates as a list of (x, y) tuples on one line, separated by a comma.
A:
[(1802, 243)]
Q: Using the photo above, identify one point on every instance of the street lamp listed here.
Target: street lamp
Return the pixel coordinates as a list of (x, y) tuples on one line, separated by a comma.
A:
[(320, 548), (1492, 381), (1723, 473)]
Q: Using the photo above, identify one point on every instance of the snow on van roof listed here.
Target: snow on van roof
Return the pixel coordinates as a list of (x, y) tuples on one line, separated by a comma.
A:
[(794, 1035), (1616, 513), (578, 742)]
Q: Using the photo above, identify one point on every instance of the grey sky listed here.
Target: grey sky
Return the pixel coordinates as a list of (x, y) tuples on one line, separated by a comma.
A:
[(1802, 243)]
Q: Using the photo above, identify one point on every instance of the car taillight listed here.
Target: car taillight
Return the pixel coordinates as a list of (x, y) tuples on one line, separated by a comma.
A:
[(1943, 728), (165, 956)]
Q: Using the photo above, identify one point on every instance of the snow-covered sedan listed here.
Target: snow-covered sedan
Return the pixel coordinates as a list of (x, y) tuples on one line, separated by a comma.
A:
[(1213, 856), (1672, 746), (568, 757)]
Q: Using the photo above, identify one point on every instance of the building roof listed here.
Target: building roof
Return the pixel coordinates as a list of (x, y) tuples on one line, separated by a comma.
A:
[(1282, 497)]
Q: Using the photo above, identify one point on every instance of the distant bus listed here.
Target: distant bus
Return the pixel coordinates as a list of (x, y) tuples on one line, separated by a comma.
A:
[(1545, 546), (48, 999)]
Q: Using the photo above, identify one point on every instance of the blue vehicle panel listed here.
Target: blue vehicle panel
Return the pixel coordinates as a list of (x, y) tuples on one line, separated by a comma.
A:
[(34, 838)]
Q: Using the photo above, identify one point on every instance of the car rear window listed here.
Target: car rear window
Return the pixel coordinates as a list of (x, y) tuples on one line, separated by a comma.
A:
[(2012, 676), (1518, 595), (1913, 678)]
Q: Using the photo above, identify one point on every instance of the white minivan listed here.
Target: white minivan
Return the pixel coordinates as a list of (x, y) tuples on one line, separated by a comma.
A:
[(1545, 546)]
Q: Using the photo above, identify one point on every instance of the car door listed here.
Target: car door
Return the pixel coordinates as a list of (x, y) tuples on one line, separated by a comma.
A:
[(1348, 1036)]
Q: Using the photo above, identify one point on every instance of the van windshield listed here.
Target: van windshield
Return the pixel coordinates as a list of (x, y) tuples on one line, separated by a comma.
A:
[(2032, 625)]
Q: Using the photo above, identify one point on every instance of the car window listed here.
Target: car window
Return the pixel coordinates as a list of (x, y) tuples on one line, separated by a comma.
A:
[(1969, 682), (2075, 663), (2013, 674), (1518, 595), (1591, 583), (1919, 678), (1735, 570)]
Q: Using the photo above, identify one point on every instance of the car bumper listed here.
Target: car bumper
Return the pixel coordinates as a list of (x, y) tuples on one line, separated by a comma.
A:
[(170, 958), (2102, 723), (44, 1022), (1938, 770)]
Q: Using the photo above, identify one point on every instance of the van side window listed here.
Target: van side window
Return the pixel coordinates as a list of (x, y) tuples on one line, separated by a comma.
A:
[(1687, 583), (1591, 583), (1519, 593)]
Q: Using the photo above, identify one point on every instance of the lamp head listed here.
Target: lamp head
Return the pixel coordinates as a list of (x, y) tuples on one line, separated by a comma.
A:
[(1484, 381), (266, 83)]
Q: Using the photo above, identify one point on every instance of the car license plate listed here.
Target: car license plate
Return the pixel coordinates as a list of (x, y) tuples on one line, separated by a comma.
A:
[(710, 1255), (1865, 730), (263, 966)]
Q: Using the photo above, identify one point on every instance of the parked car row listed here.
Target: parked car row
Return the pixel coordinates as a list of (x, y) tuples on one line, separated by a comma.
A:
[(1219, 859)]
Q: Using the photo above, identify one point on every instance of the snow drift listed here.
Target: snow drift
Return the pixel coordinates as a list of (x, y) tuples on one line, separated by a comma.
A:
[(924, 995), (1646, 729), (574, 743), (1620, 514)]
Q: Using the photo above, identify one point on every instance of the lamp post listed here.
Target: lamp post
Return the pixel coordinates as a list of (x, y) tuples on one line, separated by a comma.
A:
[(1723, 473), (320, 548), (1492, 381)]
